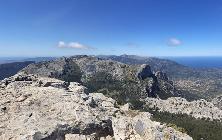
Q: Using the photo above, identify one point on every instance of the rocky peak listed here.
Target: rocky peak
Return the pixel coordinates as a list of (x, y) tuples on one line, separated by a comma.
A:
[(42, 108)]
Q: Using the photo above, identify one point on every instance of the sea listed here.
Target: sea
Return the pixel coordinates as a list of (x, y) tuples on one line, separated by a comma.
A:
[(198, 62)]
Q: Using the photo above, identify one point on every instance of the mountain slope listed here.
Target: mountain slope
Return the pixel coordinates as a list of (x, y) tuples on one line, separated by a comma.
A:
[(194, 83), (120, 81), (9, 69), (205, 83)]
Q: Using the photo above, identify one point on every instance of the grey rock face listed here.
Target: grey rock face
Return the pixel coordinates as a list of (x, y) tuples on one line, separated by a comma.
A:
[(46, 68), (161, 75), (144, 72), (30, 110)]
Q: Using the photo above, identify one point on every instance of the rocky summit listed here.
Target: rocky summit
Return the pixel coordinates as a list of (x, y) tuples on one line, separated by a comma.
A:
[(42, 108)]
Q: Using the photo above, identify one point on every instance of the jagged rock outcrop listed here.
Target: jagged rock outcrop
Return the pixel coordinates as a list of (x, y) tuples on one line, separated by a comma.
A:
[(106, 76), (167, 86), (197, 109), (161, 75), (41, 108), (144, 72), (152, 89)]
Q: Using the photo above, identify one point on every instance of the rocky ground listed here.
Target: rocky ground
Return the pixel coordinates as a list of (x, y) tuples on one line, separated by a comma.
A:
[(198, 109), (218, 101), (38, 108)]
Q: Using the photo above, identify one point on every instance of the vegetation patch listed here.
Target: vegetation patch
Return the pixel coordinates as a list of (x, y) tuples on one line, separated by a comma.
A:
[(198, 129), (123, 91), (71, 72)]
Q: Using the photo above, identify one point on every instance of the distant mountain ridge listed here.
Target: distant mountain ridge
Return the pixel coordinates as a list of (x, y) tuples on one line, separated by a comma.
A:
[(118, 80), (10, 66), (9, 69), (4, 60), (200, 83)]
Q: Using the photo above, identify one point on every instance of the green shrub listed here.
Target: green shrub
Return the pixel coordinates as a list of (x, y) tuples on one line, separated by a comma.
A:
[(136, 104)]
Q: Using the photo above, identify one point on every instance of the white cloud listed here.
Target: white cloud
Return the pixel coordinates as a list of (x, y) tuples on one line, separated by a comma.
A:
[(61, 44), (174, 42), (75, 45)]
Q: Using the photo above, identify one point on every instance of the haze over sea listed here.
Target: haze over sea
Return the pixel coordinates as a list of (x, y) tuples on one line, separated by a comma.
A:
[(199, 61)]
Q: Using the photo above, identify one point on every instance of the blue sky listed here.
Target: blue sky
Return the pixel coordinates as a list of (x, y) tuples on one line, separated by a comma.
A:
[(141, 27)]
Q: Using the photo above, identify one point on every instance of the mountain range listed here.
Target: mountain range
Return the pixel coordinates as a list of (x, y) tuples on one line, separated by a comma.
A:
[(109, 97), (199, 82)]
